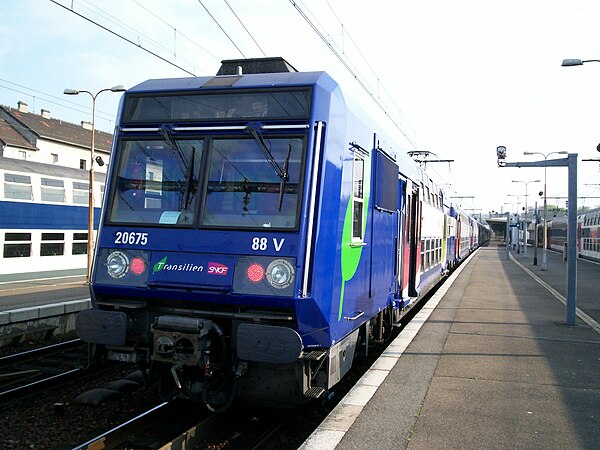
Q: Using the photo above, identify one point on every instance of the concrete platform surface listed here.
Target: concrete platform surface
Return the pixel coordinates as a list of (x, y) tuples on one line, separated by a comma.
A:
[(494, 366)]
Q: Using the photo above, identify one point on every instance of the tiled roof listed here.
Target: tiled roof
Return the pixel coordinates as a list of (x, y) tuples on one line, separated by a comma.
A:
[(9, 136), (59, 130)]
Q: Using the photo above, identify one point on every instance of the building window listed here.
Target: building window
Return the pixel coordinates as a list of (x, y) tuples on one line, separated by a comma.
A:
[(17, 187), (22, 154), (358, 175), (53, 190), (17, 245), (80, 243), (54, 157), (81, 193), (82, 164), (53, 244)]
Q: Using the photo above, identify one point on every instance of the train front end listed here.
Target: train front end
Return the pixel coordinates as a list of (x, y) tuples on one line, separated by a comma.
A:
[(200, 260)]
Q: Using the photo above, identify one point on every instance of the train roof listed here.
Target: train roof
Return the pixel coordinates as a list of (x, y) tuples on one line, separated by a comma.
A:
[(274, 72), (280, 79), (19, 165)]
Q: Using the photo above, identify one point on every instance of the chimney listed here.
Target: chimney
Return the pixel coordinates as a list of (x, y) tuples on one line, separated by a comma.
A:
[(45, 114), (22, 107), (86, 125)]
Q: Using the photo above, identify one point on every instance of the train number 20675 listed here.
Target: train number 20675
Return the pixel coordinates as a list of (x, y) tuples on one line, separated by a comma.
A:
[(131, 238)]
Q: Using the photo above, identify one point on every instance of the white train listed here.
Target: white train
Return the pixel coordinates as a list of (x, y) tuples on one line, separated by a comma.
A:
[(44, 219)]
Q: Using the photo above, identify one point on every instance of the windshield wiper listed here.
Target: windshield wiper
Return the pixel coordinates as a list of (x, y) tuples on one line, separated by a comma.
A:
[(188, 184), (188, 169), (285, 176), (281, 173), (253, 130)]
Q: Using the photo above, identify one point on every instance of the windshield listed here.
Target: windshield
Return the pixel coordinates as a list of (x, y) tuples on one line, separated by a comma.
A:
[(249, 183), (157, 182), (244, 189)]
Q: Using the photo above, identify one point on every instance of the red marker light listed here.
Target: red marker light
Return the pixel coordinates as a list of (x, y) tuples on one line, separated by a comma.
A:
[(137, 266), (255, 272)]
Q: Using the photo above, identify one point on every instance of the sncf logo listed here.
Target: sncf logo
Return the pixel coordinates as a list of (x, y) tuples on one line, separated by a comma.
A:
[(217, 269)]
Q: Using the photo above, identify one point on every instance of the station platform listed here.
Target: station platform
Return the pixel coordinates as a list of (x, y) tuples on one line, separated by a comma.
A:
[(488, 363), (35, 309)]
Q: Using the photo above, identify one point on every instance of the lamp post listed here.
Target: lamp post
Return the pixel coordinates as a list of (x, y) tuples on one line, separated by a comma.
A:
[(545, 251), (518, 220), (90, 242), (526, 227)]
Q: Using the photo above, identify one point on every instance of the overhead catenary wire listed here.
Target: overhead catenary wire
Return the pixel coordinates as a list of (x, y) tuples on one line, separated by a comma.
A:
[(61, 102), (178, 32), (244, 26), (222, 29), (125, 26), (99, 114), (380, 85), (124, 38), (351, 70)]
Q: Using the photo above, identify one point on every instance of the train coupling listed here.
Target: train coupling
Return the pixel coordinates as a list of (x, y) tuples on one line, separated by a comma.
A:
[(181, 340), (175, 376)]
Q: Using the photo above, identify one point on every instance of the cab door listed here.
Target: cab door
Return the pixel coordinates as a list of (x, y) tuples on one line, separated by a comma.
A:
[(414, 241)]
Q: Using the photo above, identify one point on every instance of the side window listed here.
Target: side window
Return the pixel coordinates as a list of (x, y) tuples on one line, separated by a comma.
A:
[(79, 246), (17, 245), (53, 190), (358, 175), (53, 244), (81, 193), (17, 186)]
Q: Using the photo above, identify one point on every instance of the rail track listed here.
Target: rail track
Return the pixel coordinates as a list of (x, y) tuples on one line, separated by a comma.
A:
[(184, 424), (24, 373)]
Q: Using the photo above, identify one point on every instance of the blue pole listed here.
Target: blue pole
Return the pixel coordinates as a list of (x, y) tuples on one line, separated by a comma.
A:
[(572, 241), (507, 231)]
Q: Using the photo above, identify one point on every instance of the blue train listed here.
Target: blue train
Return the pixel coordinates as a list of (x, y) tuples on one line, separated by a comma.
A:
[(258, 233)]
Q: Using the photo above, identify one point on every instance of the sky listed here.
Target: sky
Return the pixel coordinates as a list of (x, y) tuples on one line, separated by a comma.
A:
[(459, 78)]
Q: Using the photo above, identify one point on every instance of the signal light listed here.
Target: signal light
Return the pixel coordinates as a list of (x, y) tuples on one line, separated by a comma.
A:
[(255, 272), (137, 266)]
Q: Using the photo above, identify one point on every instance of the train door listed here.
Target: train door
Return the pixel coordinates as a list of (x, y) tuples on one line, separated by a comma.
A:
[(384, 225), (414, 241), (459, 237), (444, 243), (401, 277), (579, 222)]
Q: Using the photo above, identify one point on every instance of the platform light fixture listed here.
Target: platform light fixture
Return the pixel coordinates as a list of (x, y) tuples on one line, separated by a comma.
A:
[(90, 242), (577, 62), (501, 154)]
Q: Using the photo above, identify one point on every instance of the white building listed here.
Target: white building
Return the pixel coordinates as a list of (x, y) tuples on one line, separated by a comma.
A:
[(40, 138)]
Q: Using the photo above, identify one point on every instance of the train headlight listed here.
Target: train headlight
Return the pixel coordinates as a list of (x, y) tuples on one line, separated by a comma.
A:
[(117, 264), (264, 275), (280, 274)]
